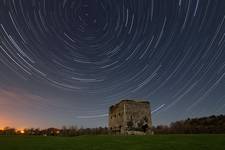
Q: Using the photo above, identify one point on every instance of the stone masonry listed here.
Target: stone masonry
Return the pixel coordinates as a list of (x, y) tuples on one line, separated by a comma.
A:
[(130, 117)]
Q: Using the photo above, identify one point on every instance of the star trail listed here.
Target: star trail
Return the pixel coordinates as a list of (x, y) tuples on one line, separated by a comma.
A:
[(64, 62)]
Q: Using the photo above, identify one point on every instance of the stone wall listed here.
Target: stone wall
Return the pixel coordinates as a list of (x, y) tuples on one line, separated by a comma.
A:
[(116, 117), (130, 115)]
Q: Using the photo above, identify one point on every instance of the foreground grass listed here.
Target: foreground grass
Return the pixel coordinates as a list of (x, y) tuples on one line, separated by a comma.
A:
[(156, 142)]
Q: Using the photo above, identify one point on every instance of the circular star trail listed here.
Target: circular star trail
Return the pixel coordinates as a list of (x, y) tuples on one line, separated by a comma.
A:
[(75, 58)]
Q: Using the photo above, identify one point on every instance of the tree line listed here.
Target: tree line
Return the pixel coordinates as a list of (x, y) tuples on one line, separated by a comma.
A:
[(212, 124), (64, 131)]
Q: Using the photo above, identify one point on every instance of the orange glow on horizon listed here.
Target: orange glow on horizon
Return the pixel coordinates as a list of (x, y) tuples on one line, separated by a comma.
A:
[(22, 131), (17, 130)]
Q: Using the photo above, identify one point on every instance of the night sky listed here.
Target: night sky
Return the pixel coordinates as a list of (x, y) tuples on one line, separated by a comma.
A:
[(64, 62)]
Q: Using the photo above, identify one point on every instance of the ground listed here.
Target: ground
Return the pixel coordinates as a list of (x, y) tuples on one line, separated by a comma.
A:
[(156, 142)]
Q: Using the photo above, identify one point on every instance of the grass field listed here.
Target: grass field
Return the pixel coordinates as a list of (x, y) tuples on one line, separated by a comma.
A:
[(156, 142)]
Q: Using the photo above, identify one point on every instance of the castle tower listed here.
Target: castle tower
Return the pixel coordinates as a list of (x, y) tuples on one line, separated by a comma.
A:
[(130, 117)]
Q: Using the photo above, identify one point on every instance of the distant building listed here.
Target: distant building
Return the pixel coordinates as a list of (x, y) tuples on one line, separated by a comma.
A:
[(130, 117)]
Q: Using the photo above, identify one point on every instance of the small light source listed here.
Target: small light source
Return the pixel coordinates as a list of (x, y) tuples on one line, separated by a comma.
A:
[(22, 131)]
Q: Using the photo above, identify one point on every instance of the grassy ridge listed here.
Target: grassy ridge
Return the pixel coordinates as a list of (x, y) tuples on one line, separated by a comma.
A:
[(156, 142)]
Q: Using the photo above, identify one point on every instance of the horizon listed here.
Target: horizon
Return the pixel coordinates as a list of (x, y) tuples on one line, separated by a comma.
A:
[(82, 127), (66, 62)]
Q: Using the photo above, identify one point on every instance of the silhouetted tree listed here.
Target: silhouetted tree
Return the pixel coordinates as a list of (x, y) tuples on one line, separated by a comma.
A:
[(211, 124)]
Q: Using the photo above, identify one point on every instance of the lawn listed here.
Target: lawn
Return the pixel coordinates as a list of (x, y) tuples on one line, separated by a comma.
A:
[(155, 142)]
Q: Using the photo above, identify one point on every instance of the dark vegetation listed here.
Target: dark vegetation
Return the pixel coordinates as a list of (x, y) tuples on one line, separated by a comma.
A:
[(65, 131), (210, 125)]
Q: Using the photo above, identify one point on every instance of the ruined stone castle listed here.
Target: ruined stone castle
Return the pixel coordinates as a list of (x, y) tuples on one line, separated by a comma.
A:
[(130, 117)]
